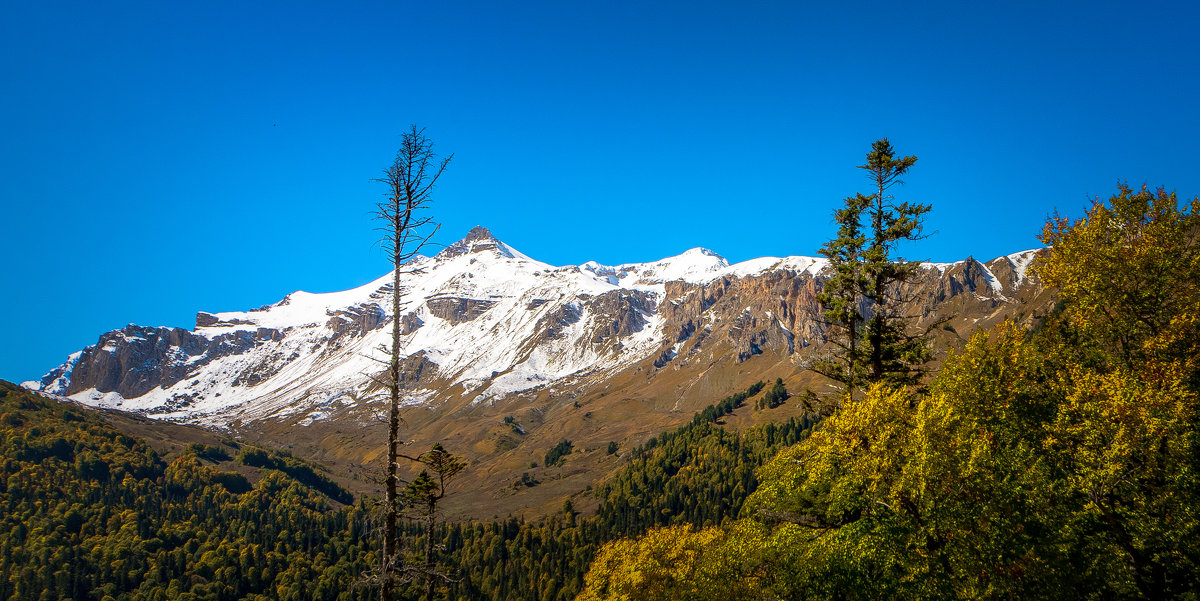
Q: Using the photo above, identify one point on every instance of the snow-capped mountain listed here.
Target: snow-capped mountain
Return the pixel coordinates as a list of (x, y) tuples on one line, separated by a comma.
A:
[(482, 321)]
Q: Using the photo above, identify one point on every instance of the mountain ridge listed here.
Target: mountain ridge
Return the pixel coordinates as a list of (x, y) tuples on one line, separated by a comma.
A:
[(232, 359), (588, 353)]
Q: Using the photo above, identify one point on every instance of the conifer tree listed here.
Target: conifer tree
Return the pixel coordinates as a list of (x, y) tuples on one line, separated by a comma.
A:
[(423, 494), (862, 299), (893, 354), (410, 180), (842, 294)]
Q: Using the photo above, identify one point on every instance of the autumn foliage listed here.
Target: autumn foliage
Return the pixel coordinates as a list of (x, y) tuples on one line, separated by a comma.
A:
[(1058, 463)]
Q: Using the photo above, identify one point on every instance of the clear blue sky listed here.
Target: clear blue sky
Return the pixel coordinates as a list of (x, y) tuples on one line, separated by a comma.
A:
[(161, 158)]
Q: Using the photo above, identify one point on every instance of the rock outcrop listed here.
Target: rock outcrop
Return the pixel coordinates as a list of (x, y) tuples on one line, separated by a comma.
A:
[(458, 310), (135, 360)]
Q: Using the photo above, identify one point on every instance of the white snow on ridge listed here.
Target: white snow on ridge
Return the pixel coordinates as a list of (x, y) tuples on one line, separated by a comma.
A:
[(96, 398), (694, 266), (514, 253), (941, 267), (1022, 260), (479, 311), (297, 308), (64, 380)]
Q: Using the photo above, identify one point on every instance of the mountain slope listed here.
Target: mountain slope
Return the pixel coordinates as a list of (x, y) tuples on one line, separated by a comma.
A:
[(589, 353), (479, 315)]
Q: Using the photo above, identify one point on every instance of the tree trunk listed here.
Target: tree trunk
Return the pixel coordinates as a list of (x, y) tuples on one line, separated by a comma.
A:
[(388, 590), (429, 563), (410, 184)]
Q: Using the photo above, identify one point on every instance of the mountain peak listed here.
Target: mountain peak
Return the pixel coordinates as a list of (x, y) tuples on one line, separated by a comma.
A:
[(479, 240), (479, 233), (699, 257), (701, 251)]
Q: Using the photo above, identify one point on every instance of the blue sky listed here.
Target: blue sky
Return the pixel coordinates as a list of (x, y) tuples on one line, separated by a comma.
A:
[(161, 158)]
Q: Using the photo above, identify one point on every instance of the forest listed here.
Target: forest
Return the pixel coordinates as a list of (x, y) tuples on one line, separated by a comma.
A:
[(90, 513)]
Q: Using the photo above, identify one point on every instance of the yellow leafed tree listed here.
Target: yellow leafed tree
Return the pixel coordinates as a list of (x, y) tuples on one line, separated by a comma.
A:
[(1057, 463), (668, 564)]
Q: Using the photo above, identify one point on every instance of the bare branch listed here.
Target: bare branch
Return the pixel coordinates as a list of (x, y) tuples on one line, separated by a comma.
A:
[(408, 182)]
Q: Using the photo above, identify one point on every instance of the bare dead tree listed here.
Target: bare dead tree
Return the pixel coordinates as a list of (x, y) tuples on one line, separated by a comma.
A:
[(410, 181)]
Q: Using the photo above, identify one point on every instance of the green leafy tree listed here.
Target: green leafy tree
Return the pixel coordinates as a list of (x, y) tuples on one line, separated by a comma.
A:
[(1128, 273), (667, 564), (1125, 437), (1036, 464)]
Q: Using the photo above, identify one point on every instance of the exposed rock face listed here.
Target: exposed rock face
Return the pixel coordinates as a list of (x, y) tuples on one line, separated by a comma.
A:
[(620, 313), (135, 360), (973, 290), (356, 320), (478, 240), (967, 277), (778, 311), (774, 310), (409, 323), (412, 368), (554, 324), (458, 310), (204, 320)]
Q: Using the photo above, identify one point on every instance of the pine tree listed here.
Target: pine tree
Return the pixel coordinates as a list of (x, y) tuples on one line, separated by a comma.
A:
[(423, 494), (862, 300), (410, 181), (893, 353), (841, 296)]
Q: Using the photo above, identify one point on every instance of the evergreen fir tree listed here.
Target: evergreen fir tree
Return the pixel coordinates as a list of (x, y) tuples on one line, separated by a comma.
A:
[(862, 300), (842, 294), (893, 353)]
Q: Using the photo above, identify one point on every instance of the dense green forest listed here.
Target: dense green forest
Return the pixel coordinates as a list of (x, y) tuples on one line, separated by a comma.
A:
[(90, 513)]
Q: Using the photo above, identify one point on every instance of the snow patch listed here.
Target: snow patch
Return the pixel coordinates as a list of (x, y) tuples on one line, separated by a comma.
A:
[(95, 398), (1021, 262), (991, 280)]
